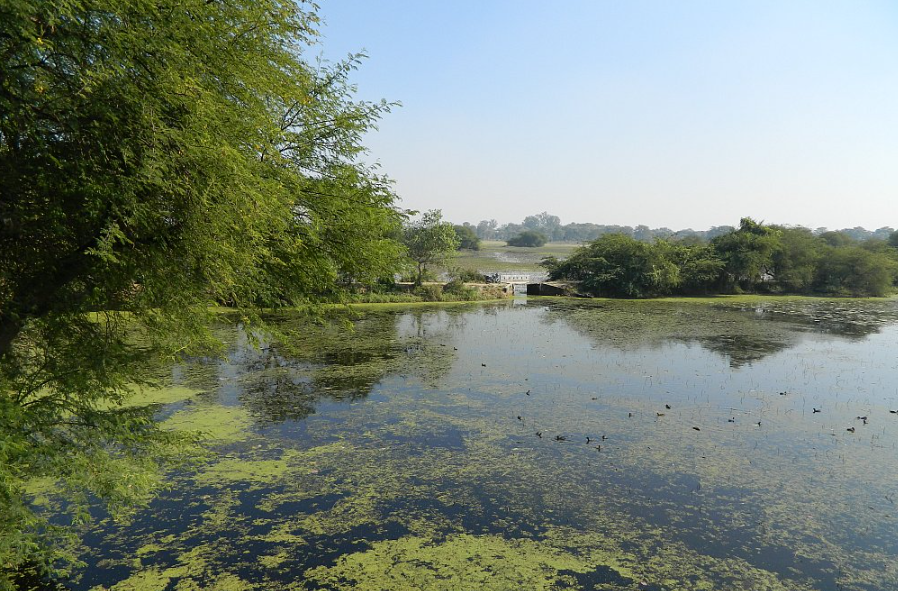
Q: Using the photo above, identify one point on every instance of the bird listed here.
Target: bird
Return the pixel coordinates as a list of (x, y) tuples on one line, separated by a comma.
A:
[(599, 447), (519, 418), (588, 439), (894, 412), (864, 418), (560, 438), (483, 364), (696, 428), (539, 434), (660, 414), (815, 410), (604, 437), (667, 406), (629, 414), (527, 392), (783, 393), (850, 429), (759, 423), (731, 420)]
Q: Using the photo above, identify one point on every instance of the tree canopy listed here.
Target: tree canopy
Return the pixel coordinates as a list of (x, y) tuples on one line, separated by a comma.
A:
[(754, 257), (618, 266), (528, 238), (429, 240), (157, 157), (551, 227), (467, 237)]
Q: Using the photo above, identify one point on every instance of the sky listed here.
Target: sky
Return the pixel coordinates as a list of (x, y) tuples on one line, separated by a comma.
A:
[(686, 114)]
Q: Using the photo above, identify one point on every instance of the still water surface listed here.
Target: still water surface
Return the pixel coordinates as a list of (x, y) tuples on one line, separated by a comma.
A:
[(541, 444)]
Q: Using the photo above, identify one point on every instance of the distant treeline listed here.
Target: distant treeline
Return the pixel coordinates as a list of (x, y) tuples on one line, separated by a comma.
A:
[(550, 226), (752, 258)]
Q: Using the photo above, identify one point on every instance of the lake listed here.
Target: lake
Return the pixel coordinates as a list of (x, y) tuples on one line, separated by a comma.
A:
[(731, 443)]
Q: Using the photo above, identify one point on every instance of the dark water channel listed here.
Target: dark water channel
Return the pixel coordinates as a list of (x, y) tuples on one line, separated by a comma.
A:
[(541, 444)]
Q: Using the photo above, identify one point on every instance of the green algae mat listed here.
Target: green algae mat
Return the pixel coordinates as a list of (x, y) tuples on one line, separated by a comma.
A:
[(733, 443)]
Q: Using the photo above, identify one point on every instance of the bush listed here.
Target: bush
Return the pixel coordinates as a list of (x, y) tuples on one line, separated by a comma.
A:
[(458, 290), (617, 265), (529, 238), (467, 239), (854, 271), (430, 293), (412, 276), (466, 275)]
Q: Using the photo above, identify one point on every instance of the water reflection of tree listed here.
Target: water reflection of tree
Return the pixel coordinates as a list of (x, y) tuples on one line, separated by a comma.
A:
[(740, 333), (310, 363), (740, 350)]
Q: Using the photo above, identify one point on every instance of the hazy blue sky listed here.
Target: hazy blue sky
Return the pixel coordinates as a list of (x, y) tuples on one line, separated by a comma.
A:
[(665, 113)]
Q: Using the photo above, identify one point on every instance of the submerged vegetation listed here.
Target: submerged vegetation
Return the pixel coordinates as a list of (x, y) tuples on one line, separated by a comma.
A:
[(752, 258), (157, 157), (565, 445), (165, 160)]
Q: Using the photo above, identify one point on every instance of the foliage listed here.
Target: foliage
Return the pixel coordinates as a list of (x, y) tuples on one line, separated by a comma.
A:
[(893, 239), (157, 156), (836, 239), (546, 224), (528, 238), (619, 266), (467, 238), (700, 268), (855, 271), (551, 227), (430, 292), (466, 275), (796, 258), (747, 253), (457, 287), (753, 258), (429, 240)]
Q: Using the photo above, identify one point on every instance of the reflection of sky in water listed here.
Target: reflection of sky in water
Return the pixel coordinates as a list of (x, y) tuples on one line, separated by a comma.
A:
[(476, 421)]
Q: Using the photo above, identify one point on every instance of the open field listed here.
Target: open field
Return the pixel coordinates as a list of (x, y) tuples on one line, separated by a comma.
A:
[(494, 256)]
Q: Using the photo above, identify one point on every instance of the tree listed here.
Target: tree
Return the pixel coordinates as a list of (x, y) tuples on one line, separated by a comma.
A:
[(546, 224), (893, 239), (619, 266), (156, 157), (837, 239), (429, 240), (467, 238), (699, 266), (747, 253), (796, 259), (528, 238), (486, 229), (851, 270)]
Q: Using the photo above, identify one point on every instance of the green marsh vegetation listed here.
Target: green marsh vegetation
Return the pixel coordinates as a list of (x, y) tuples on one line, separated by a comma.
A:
[(421, 450), (163, 158)]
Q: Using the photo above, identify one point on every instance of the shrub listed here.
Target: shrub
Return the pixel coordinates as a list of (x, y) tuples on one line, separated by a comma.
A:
[(430, 293), (458, 290), (529, 238), (466, 275)]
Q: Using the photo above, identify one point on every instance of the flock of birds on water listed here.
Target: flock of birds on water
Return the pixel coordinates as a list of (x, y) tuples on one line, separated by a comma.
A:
[(590, 439)]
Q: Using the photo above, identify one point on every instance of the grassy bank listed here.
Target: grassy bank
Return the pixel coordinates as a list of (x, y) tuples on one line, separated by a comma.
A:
[(494, 256)]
